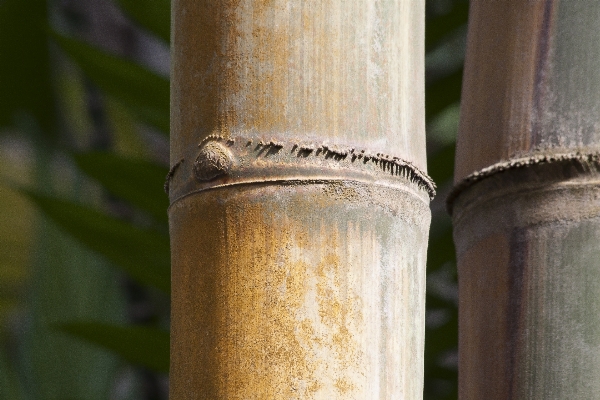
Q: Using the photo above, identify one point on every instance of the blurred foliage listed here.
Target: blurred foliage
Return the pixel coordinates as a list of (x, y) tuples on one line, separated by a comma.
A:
[(96, 297), (143, 93), (98, 275), (154, 15), (130, 342), (445, 42), (141, 253)]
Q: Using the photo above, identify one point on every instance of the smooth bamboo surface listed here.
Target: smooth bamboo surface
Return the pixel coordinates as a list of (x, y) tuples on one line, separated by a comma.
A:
[(299, 203), (526, 208)]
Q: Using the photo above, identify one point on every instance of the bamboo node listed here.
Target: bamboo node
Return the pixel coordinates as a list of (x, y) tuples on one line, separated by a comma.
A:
[(591, 160), (225, 161)]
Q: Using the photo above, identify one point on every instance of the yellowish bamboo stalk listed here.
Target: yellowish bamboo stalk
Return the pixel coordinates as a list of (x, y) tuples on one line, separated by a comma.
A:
[(299, 203)]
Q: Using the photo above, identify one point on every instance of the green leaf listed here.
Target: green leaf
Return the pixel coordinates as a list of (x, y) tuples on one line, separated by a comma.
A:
[(144, 93), (439, 28), (145, 346), (143, 254), (443, 93), (137, 181), (154, 15), (25, 74)]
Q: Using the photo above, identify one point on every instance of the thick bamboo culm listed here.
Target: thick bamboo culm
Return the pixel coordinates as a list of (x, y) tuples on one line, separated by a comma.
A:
[(526, 206), (299, 209)]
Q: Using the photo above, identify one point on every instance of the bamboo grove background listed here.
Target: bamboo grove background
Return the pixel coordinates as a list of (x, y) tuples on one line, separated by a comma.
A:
[(84, 251)]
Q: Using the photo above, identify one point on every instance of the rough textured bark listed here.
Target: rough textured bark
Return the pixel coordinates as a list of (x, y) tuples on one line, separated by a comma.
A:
[(525, 205), (299, 207)]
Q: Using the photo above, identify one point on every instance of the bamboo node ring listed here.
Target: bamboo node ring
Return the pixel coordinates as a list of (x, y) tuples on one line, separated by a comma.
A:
[(226, 161), (586, 162)]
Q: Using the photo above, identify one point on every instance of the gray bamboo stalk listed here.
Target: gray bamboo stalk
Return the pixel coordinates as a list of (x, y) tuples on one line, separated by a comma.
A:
[(526, 208), (299, 203)]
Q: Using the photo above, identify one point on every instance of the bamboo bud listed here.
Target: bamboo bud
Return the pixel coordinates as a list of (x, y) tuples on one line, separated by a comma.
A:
[(299, 200)]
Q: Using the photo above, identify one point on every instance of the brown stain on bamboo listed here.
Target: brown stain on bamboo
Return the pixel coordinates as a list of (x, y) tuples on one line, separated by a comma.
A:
[(236, 348)]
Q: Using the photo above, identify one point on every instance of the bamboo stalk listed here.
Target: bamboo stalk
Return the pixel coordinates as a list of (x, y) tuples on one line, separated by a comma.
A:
[(525, 205), (299, 203)]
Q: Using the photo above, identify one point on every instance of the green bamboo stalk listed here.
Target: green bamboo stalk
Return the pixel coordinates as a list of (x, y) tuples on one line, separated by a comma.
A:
[(299, 203), (525, 205)]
